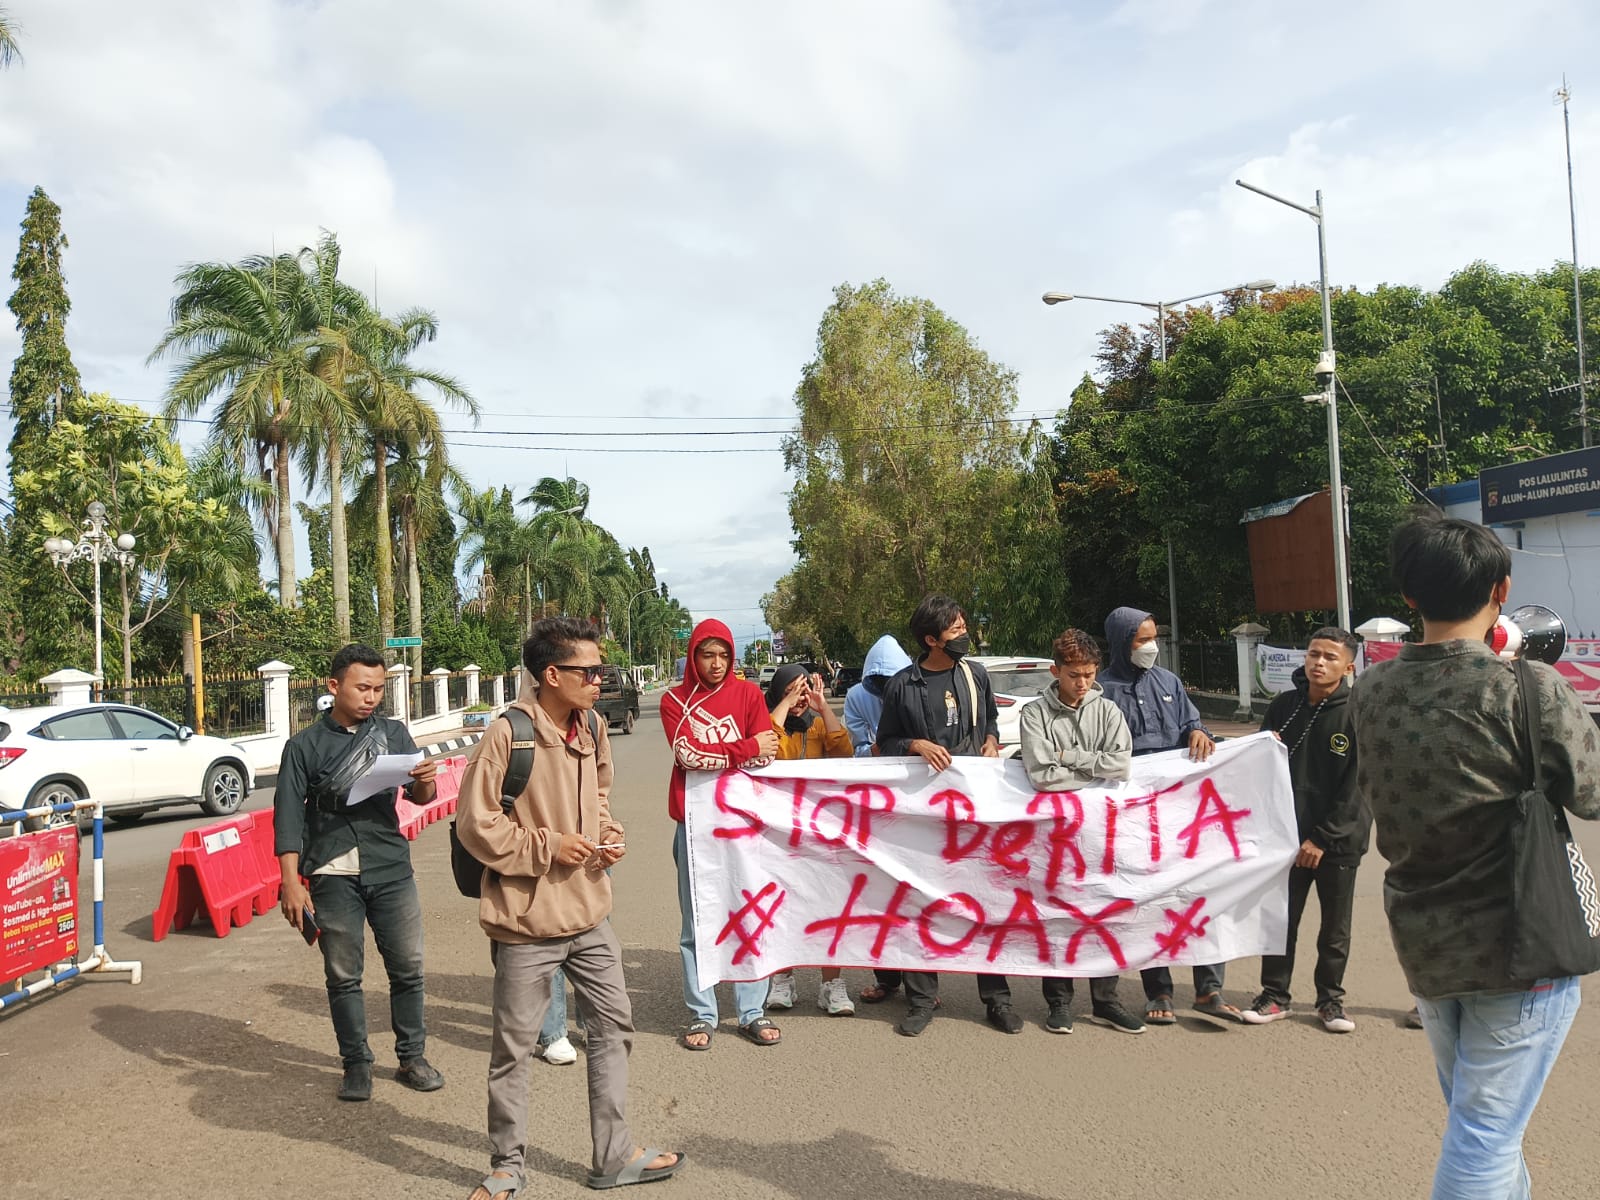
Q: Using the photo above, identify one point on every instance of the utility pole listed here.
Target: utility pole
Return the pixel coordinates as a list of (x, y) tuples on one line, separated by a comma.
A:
[(1564, 94)]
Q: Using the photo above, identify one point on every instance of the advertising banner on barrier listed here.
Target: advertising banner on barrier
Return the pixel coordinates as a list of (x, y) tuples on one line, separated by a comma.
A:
[(38, 901), (878, 862)]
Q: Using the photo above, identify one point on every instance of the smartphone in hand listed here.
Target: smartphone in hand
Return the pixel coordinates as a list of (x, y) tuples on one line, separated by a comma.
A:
[(309, 929)]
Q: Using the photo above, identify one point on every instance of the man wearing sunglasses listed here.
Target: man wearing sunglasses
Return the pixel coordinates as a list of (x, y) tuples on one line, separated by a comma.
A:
[(546, 904)]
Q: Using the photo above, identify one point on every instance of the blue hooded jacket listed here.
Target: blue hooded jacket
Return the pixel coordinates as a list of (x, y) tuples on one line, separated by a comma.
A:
[(1159, 713), (861, 708)]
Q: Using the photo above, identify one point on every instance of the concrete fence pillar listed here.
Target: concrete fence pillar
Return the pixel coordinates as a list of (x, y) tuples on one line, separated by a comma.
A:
[(472, 671), (1246, 638), (400, 689), (497, 691), (275, 686), (69, 686), (441, 689)]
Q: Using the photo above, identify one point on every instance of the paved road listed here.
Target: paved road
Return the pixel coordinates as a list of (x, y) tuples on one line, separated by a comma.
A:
[(215, 1076)]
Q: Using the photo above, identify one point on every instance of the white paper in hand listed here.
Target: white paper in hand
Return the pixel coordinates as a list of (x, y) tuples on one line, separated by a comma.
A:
[(388, 771)]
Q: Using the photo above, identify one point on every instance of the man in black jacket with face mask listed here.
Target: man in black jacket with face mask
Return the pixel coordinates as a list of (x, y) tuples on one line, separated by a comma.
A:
[(1313, 721), (936, 708)]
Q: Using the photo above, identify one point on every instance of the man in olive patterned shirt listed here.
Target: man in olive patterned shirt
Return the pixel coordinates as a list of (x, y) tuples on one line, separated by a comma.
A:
[(1443, 758)]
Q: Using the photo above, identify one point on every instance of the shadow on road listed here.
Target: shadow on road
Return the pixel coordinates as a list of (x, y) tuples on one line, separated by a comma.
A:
[(796, 1168), (241, 1080)]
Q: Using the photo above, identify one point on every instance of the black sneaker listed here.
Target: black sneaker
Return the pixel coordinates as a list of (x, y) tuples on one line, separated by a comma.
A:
[(914, 1022), (420, 1076), (1334, 1019), (1004, 1018), (1117, 1017), (357, 1083), (1059, 1020)]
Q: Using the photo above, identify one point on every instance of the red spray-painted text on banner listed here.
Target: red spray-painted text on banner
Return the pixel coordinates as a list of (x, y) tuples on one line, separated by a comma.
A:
[(38, 901), (881, 863)]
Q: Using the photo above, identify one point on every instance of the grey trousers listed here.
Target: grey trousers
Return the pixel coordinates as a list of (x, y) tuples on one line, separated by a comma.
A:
[(592, 961)]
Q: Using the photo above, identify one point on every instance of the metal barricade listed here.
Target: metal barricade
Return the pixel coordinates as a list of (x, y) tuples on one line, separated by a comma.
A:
[(99, 961)]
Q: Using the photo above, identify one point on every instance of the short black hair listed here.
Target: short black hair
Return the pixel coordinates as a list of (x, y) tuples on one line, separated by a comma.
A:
[(552, 640), (356, 654), (1076, 646), (1332, 633), (933, 616), (1445, 566)]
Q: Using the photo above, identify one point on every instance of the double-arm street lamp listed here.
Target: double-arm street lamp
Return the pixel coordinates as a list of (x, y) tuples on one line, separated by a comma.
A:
[(1160, 308), (631, 599), (97, 545), (1326, 377)]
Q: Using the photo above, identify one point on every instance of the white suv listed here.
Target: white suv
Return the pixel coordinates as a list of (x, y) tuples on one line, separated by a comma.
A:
[(129, 759), (1015, 682)]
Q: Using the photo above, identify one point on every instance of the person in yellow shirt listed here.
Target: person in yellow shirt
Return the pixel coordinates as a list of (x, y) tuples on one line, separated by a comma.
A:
[(807, 728)]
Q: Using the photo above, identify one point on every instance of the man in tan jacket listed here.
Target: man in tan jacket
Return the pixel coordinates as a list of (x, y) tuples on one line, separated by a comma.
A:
[(547, 904)]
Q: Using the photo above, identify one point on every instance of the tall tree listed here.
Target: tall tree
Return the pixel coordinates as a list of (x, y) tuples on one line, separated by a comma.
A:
[(386, 389), (10, 52), (249, 334), (343, 317), (904, 453), (43, 377)]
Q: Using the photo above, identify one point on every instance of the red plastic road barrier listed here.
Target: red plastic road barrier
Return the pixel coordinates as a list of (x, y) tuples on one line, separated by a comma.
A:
[(414, 818), (218, 869)]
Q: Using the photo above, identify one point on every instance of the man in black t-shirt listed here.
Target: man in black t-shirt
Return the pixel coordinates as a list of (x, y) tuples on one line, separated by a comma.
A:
[(937, 708)]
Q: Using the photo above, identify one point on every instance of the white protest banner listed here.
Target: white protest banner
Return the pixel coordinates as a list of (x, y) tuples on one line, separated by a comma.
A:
[(878, 862)]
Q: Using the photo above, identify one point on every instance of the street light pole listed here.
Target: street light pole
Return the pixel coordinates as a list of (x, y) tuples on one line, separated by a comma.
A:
[(631, 666), (1564, 94), (97, 545), (1326, 375), (1161, 306)]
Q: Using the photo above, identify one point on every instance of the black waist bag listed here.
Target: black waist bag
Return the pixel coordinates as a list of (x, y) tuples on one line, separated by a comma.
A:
[(467, 870)]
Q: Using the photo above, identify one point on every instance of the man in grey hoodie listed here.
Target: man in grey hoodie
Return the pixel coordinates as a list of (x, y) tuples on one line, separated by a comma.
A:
[(1073, 735)]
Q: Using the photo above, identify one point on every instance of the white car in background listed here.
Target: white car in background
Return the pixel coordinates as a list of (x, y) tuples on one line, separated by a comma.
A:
[(129, 759), (1015, 681)]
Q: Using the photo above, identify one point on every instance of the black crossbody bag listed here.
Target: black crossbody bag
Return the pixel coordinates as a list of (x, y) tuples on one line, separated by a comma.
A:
[(1555, 912), (468, 871)]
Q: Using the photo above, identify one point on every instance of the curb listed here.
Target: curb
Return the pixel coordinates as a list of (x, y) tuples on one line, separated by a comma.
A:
[(449, 744)]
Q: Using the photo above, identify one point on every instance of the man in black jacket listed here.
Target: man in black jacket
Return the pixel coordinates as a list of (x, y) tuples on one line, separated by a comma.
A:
[(1313, 721), (937, 707)]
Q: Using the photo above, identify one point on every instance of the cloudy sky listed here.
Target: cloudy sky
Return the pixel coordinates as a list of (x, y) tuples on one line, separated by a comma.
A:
[(630, 216)]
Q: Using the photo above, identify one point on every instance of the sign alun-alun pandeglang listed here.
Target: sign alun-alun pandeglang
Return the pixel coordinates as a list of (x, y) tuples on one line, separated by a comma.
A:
[(1542, 487)]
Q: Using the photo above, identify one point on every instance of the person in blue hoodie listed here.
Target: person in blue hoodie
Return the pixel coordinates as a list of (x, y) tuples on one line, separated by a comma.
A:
[(863, 703), (1160, 717)]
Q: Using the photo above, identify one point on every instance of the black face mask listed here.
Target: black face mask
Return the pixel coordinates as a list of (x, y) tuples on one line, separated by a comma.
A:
[(794, 724), (958, 647), (874, 683)]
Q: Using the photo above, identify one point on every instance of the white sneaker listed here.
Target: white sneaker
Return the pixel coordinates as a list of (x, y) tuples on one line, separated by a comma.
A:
[(781, 993), (834, 1000), (560, 1053)]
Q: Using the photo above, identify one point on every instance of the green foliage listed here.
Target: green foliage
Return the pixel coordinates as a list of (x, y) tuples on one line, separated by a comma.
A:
[(904, 456)]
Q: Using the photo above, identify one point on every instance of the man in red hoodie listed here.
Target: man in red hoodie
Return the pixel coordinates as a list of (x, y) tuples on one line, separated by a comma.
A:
[(713, 721)]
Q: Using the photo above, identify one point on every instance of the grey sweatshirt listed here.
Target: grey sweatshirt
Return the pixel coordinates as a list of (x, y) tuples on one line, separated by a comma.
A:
[(1063, 747)]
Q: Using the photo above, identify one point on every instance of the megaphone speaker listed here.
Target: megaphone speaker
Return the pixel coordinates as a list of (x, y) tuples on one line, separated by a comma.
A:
[(1532, 631)]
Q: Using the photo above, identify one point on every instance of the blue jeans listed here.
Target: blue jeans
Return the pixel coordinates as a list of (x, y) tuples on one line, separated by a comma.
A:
[(344, 908), (1493, 1052), (749, 998)]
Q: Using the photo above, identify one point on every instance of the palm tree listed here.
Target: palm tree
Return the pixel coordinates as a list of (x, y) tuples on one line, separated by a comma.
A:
[(560, 513), (506, 548), (420, 478), (225, 561), (250, 334), (342, 315), (384, 387), (10, 52)]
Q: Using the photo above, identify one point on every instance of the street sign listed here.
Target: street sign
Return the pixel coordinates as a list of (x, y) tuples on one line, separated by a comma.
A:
[(683, 631), (401, 643)]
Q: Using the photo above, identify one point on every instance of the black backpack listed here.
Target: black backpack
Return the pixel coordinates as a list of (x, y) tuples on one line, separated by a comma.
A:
[(467, 869)]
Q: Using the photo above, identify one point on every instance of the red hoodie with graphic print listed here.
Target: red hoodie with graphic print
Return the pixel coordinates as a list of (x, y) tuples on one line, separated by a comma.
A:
[(711, 728)]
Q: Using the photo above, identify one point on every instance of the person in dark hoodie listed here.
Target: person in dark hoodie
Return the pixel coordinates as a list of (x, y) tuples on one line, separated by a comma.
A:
[(713, 721), (938, 707), (1313, 721), (1160, 717)]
